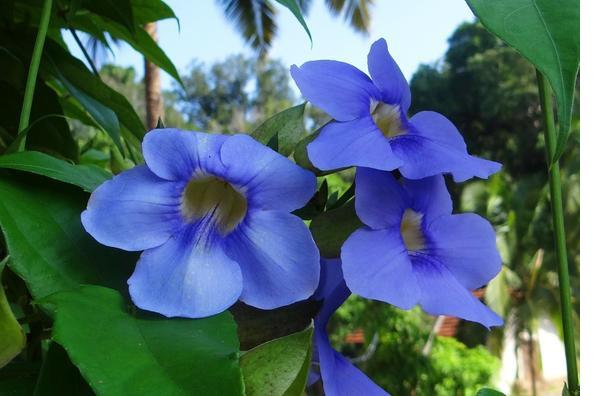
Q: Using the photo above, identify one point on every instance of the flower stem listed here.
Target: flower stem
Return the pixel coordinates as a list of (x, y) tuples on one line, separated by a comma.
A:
[(33, 69), (559, 234)]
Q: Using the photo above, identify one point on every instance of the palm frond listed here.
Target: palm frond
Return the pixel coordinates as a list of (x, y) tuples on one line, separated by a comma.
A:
[(356, 12), (254, 19)]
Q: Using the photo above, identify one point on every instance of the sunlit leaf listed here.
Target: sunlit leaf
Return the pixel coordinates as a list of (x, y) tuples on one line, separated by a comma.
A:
[(287, 127), (278, 367), (12, 337), (546, 32)]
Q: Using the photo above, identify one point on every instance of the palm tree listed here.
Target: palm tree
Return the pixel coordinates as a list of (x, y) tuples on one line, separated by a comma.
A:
[(255, 19), (154, 101)]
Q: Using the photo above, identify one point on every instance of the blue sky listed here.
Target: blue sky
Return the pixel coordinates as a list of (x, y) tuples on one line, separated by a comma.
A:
[(416, 32)]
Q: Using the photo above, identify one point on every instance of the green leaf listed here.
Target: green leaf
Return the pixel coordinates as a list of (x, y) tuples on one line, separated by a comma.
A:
[(85, 81), (145, 11), (545, 32), (278, 367), (87, 177), (59, 376), (294, 7), (287, 126), (140, 40), (119, 11), (106, 118), (489, 392), (48, 246), (125, 353), (331, 228), (12, 337)]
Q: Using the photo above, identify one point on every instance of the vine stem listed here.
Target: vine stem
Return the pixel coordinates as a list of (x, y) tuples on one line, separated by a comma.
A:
[(34, 67), (566, 307)]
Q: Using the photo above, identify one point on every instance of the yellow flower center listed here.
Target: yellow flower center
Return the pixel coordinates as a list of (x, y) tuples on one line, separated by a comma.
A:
[(388, 119), (410, 228), (209, 195)]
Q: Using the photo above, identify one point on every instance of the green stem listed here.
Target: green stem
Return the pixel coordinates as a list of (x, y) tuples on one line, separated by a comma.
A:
[(33, 69), (559, 235)]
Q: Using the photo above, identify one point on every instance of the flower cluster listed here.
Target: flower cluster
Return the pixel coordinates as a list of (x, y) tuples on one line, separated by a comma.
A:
[(411, 250), (212, 215)]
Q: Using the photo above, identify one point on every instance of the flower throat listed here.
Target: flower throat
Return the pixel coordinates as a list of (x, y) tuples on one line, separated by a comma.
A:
[(211, 196)]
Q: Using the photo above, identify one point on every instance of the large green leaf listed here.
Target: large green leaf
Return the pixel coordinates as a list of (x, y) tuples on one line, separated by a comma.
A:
[(331, 228), (546, 32), (48, 246), (140, 40), (278, 367), (124, 353), (294, 7), (57, 58), (287, 126), (105, 117), (87, 177), (12, 337)]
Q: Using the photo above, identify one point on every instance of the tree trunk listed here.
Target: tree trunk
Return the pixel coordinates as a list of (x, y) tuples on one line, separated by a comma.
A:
[(154, 103), (532, 362)]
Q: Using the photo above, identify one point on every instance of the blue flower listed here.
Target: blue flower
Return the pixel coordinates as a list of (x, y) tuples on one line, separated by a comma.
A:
[(340, 377), (372, 128), (413, 250), (211, 213)]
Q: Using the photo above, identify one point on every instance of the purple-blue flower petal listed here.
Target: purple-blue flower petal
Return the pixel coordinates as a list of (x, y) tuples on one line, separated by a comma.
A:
[(268, 179), (380, 199), (466, 244), (278, 258), (442, 294), (433, 145), (135, 210), (330, 278), (429, 196), (352, 143), (340, 377), (174, 154), (339, 89), (387, 76), (189, 276), (376, 265)]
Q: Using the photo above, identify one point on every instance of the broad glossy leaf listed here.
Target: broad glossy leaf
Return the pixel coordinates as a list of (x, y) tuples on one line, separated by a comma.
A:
[(287, 126), (49, 248), (12, 337), (278, 367), (294, 7), (121, 351), (57, 58), (331, 228), (59, 376), (87, 177), (546, 32)]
